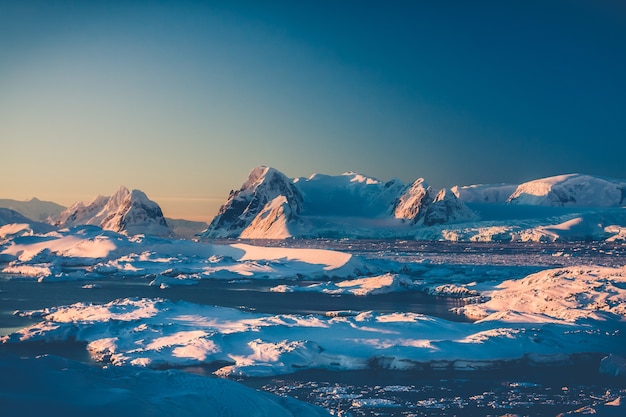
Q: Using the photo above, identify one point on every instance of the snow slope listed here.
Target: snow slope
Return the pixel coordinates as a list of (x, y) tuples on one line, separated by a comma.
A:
[(129, 212), (571, 190), (566, 294), (347, 195), (484, 193), (13, 222), (90, 252)]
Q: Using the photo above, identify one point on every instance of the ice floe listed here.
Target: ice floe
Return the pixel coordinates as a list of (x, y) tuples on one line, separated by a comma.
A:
[(545, 318), (379, 284), (534, 318)]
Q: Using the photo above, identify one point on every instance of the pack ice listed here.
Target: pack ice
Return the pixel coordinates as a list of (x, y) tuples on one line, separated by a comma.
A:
[(550, 316)]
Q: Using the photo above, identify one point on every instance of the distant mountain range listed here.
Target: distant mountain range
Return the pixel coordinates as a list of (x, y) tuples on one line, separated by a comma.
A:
[(269, 205), (572, 190), (34, 208), (129, 212)]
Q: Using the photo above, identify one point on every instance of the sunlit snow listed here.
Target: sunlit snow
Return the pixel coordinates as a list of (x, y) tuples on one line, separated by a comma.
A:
[(521, 315)]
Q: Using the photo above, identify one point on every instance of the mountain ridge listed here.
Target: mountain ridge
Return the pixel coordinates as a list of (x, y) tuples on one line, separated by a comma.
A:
[(270, 205), (35, 209)]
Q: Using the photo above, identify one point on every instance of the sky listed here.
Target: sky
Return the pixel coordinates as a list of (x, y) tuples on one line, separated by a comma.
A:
[(182, 99)]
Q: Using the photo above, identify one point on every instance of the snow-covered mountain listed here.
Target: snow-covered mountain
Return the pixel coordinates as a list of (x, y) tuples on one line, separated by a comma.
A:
[(129, 212), (271, 206), (34, 208), (570, 207), (447, 208), (411, 203), (347, 195), (418, 205), (267, 199), (571, 190)]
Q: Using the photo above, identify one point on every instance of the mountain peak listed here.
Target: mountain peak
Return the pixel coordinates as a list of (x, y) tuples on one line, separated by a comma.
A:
[(122, 190), (130, 212), (360, 178), (410, 205), (257, 175), (447, 208), (257, 195)]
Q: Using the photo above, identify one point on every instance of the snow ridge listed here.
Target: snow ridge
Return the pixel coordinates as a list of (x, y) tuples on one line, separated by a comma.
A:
[(571, 190)]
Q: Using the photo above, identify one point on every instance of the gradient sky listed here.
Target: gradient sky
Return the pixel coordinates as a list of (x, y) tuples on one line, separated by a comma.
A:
[(182, 99)]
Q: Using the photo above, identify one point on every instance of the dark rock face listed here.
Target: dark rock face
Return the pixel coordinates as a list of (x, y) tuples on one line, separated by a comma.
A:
[(411, 205), (418, 206), (264, 184), (446, 208)]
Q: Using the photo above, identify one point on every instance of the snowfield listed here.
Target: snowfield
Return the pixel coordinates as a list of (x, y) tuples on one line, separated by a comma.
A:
[(90, 252)]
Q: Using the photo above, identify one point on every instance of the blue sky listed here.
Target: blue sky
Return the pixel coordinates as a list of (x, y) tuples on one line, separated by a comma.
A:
[(182, 99)]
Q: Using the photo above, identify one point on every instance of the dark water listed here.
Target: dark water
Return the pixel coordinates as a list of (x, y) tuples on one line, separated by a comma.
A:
[(20, 294), (523, 391), (495, 254)]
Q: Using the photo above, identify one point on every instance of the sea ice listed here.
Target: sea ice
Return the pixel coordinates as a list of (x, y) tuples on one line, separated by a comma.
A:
[(157, 332)]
